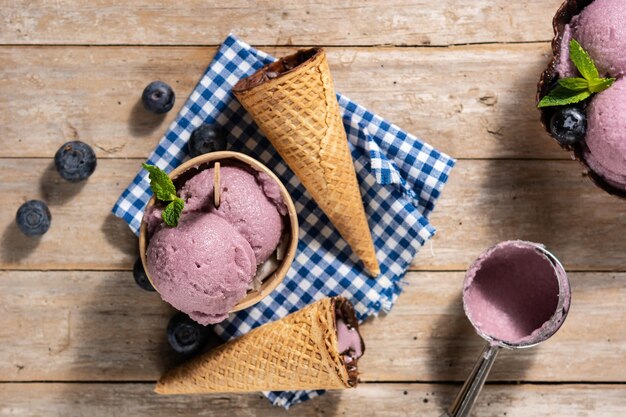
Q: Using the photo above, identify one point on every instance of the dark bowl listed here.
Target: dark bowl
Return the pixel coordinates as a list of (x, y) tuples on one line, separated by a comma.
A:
[(563, 16)]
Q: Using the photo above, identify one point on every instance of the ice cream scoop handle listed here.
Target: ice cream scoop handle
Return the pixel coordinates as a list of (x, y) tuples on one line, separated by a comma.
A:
[(465, 399)]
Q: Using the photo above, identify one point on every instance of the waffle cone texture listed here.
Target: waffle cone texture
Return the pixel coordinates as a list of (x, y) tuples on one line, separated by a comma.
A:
[(293, 102), (297, 352)]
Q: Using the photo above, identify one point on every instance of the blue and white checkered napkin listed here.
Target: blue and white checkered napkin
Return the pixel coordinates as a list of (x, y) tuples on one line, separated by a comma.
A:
[(401, 177)]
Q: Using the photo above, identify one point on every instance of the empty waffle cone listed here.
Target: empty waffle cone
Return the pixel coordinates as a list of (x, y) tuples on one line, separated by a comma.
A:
[(293, 102), (297, 352)]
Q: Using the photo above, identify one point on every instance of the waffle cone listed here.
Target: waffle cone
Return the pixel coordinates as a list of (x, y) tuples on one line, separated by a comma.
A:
[(297, 352), (293, 102)]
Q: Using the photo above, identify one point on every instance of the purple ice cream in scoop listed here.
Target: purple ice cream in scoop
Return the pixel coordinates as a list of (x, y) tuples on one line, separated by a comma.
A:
[(601, 30), (511, 294), (606, 134), (202, 267), (250, 201)]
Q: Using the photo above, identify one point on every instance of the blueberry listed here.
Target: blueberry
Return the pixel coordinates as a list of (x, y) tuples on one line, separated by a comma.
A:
[(33, 218), (75, 161), (568, 125), (205, 139), (158, 97), (140, 276), (188, 337)]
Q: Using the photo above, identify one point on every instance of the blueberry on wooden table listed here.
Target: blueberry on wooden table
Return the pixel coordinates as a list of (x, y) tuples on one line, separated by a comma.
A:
[(33, 218), (75, 161), (568, 125), (188, 337), (158, 97), (206, 138), (140, 276)]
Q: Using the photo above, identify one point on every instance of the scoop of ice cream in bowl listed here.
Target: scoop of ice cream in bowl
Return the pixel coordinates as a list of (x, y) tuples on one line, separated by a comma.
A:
[(235, 239), (589, 116)]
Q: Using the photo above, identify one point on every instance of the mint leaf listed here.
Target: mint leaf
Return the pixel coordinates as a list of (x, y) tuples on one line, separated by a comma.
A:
[(561, 96), (575, 89), (161, 185), (164, 189), (172, 212), (600, 84), (583, 61), (574, 84)]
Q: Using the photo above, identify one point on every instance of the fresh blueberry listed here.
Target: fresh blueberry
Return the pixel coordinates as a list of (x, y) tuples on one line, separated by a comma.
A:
[(158, 97), (188, 337), (205, 139), (140, 276), (75, 161), (568, 125), (33, 218)]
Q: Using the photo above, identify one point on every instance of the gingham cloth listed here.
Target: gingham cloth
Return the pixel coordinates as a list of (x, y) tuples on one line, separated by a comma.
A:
[(400, 176)]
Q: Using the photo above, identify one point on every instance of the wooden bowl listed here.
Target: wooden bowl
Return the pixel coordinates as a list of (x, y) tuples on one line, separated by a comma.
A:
[(291, 229)]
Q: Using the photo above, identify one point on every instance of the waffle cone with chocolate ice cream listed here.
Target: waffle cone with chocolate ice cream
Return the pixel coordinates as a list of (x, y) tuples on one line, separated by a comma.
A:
[(564, 15), (300, 351), (293, 102)]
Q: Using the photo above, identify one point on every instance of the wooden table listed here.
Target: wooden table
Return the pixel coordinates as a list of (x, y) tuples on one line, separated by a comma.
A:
[(78, 337)]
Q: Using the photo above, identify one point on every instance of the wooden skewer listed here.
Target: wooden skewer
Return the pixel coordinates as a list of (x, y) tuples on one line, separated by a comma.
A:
[(281, 249), (217, 187)]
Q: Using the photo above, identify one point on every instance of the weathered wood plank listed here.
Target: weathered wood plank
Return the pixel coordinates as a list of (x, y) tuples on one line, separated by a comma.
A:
[(549, 202), (89, 326), (427, 335), (83, 233), (485, 202), (325, 22), (471, 101), (402, 400)]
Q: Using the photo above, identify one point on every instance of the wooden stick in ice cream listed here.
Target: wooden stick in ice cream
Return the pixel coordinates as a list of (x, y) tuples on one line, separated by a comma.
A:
[(317, 347), (217, 186)]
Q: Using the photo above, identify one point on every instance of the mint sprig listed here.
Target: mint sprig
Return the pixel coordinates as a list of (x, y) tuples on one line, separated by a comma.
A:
[(164, 190), (172, 212), (575, 89)]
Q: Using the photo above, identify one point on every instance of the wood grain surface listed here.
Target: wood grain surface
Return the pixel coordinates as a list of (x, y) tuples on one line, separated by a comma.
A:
[(368, 400), (482, 106), (283, 22), (485, 201), (77, 337), (98, 326)]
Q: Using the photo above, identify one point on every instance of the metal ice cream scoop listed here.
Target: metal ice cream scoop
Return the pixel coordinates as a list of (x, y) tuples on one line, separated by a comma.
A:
[(499, 290)]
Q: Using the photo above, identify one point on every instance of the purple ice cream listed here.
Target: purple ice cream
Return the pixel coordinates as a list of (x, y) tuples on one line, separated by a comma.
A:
[(606, 134), (349, 341), (511, 294), (202, 267), (601, 30), (251, 202), (206, 264)]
